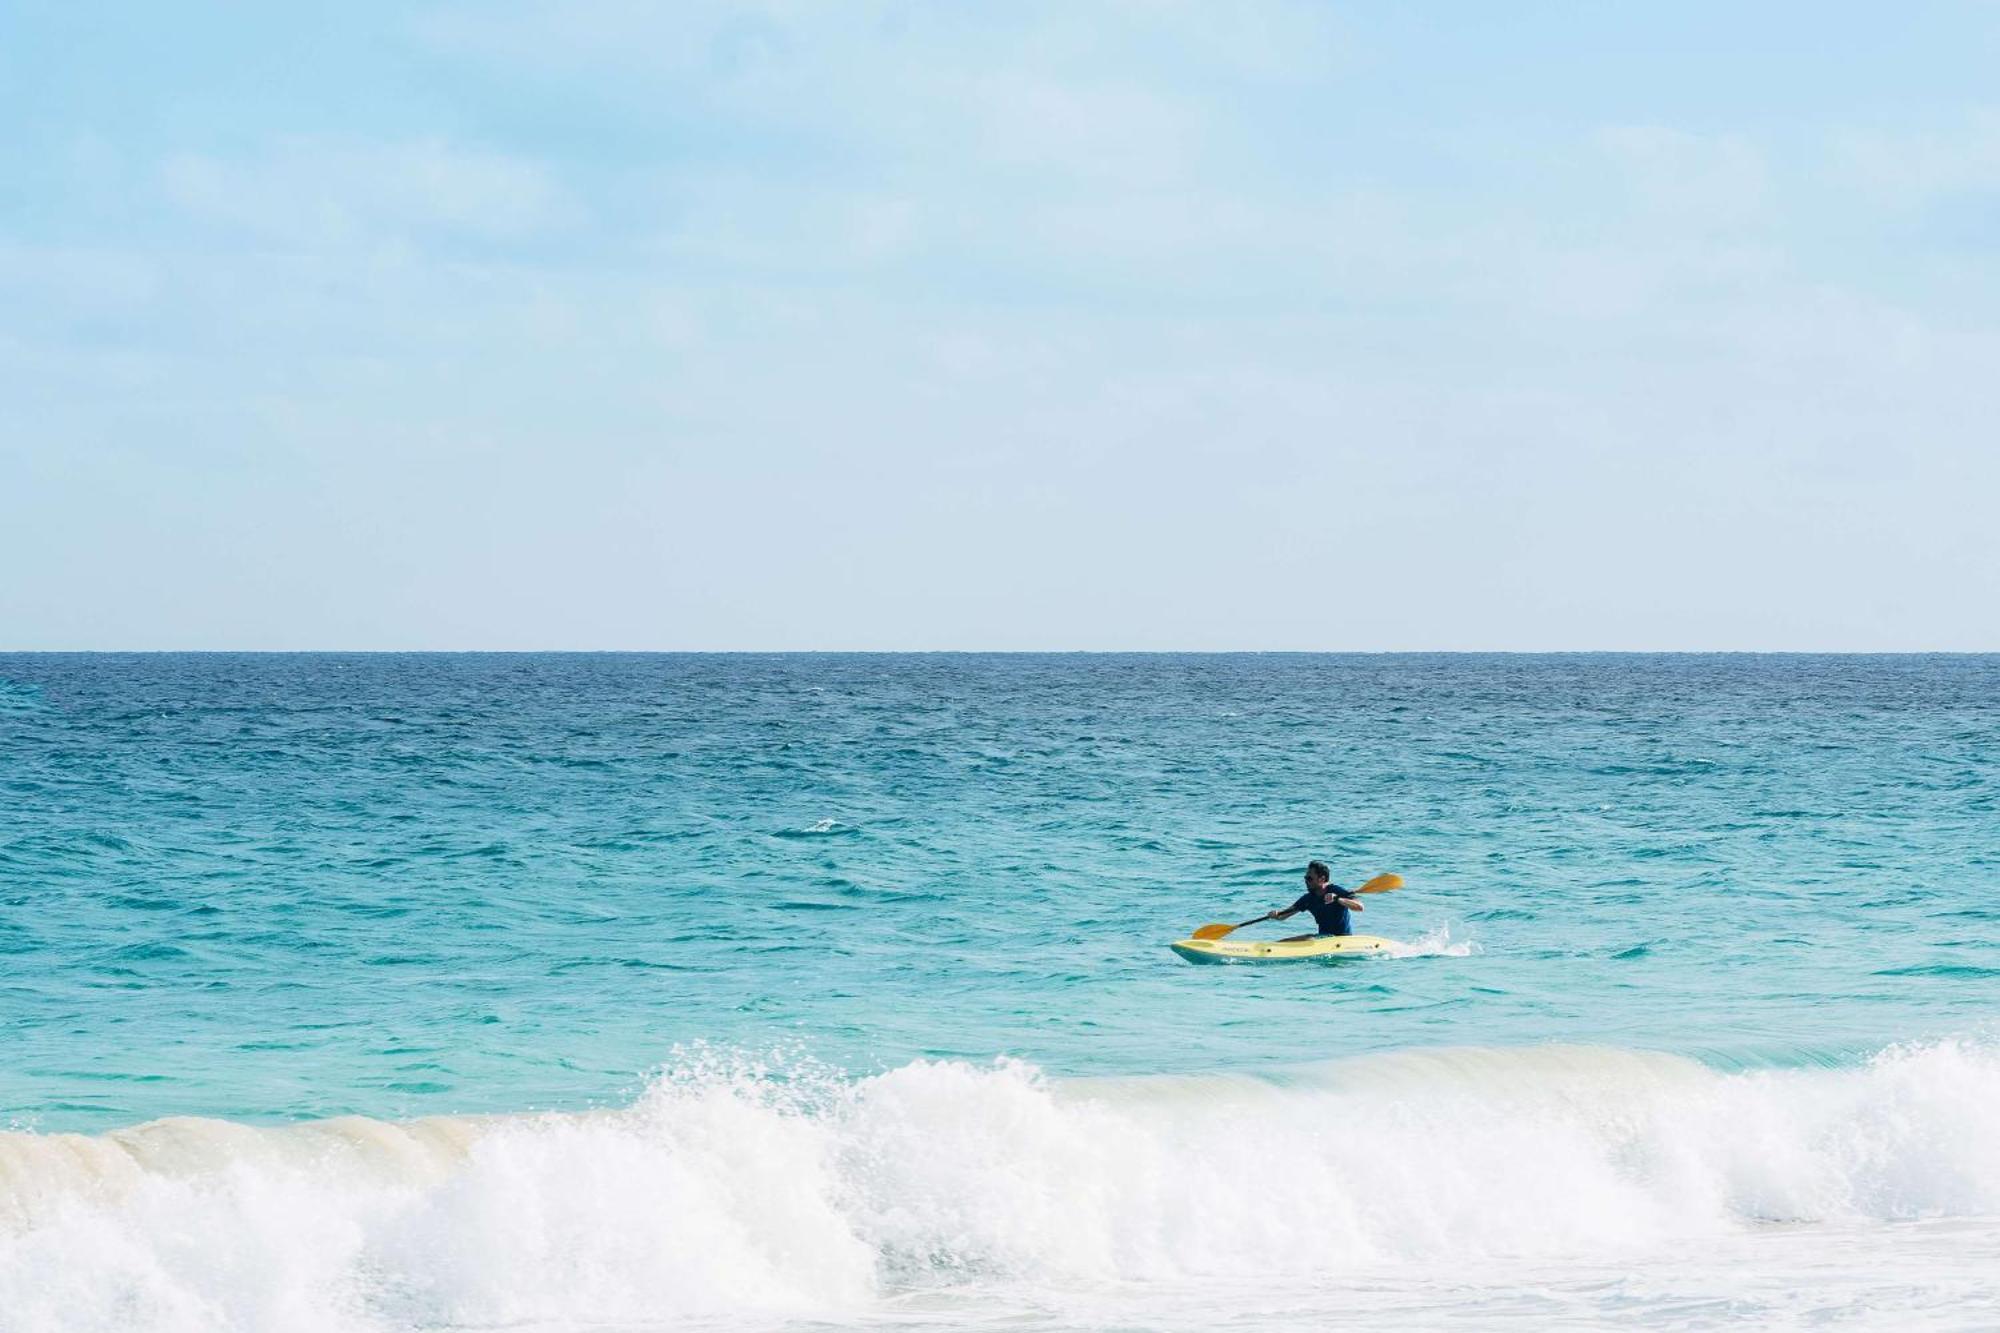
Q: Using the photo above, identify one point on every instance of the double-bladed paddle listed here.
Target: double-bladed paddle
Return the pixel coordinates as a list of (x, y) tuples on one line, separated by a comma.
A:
[(1215, 930)]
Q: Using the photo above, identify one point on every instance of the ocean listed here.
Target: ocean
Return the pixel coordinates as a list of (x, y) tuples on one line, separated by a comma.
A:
[(358, 993)]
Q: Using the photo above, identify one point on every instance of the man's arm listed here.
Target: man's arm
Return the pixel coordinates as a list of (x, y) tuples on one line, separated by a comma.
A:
[(1351, 903), (1281, 913)]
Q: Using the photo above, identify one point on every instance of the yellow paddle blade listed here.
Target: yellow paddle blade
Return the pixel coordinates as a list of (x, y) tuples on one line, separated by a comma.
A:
[(1214, 930), (1381, 884)]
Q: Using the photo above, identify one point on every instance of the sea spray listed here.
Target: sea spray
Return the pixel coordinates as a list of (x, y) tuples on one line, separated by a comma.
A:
[(1437, 942), (736, 1187)]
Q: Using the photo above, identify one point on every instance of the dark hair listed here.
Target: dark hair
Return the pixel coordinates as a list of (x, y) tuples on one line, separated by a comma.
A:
[(1318, 870)]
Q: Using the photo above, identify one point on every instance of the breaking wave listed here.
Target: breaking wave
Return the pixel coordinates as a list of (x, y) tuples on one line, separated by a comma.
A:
[(735, 1187)]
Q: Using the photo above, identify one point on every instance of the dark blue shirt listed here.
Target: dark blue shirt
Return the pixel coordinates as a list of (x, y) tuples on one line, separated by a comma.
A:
[(1331, 913)]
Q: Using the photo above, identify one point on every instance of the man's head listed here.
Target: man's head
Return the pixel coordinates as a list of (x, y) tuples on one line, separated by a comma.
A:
[(1317, 875)]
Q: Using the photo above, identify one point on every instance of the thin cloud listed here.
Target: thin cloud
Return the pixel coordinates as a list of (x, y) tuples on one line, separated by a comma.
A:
[(1913, 169), (1690, 180), (333, 192)]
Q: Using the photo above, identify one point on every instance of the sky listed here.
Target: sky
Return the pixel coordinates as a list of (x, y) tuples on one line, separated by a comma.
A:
[(610, 325)]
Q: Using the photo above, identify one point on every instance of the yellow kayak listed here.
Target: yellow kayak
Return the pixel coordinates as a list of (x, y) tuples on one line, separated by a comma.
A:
[(1281, 951)]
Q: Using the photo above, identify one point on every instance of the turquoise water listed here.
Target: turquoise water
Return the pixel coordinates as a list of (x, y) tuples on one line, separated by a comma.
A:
[(292, 886), (803, 902)]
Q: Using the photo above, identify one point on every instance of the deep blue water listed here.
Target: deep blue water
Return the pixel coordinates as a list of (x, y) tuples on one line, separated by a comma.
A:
[(288, 886)]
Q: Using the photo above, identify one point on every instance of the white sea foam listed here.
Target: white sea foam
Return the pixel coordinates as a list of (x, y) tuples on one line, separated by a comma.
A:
[(1436, 943), (737, 1192)]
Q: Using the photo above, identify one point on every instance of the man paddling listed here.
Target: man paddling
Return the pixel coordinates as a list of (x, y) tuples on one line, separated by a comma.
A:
[(1327, 901)]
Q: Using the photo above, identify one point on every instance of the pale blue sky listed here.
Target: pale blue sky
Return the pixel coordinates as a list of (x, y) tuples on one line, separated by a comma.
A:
[(616, 325)]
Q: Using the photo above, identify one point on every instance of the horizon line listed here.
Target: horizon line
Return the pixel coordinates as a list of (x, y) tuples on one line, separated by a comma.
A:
[(999, 652)]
